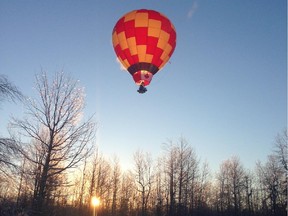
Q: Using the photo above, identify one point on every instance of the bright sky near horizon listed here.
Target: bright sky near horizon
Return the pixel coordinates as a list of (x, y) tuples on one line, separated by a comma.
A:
[(224, 90)]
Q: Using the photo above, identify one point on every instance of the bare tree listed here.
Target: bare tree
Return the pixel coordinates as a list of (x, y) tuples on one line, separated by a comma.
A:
[(116, 175), (186, 176), (184, 154), (92, 182), (224, 197), (83, 181), (160, 189), (54, 122), (236, 174), (171, 172), (182, 173), (272, 178), (7, 148), (282, 157), (231, 184), (127, 194), (144, 178), (248, 180), (281, 148), (99, 181), (8, 90), (204, 188)]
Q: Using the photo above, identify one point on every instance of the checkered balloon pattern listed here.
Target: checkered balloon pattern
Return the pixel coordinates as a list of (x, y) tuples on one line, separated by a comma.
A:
[(143, 40)]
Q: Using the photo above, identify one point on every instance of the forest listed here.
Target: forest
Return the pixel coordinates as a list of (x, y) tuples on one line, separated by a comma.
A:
[(50, 165)]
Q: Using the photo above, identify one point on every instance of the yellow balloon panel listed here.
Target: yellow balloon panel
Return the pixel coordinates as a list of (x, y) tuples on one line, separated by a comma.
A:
[(122, 41), (161, 44), (148, 58), (154, 24), (141, 52), (154, 32), (141, 16), (164, 36), (141, 20), (166, 52), (115, 39), (130, 16), (124, 63)]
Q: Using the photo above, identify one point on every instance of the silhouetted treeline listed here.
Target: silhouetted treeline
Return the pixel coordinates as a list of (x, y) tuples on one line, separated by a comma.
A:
[(177, 183), (50, 167)]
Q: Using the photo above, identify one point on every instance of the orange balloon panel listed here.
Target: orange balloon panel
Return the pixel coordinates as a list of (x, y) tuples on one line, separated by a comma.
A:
[(143, 40)]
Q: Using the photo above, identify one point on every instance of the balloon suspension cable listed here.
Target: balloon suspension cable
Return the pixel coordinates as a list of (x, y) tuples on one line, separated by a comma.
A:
[(142, 89)]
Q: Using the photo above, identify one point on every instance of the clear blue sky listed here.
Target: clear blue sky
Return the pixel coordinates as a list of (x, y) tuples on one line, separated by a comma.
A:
[(224, 89)]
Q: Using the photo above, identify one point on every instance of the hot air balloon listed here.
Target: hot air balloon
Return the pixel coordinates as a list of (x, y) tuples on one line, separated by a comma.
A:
[(144, 41)]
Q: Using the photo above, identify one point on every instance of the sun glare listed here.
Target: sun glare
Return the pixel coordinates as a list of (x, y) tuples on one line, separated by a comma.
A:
[(95, 201)]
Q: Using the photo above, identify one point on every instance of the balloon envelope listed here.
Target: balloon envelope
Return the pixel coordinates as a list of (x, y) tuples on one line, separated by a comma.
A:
[(143, 41)]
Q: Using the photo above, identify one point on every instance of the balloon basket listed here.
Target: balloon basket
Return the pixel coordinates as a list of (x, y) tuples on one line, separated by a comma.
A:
[(142, 89)]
